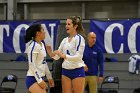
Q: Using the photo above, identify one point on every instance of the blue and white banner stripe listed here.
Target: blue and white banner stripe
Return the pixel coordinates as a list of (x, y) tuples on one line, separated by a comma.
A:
[(117, 36), (12, 32)]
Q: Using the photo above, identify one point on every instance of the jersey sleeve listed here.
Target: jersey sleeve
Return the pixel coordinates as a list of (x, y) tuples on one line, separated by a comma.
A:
[(33, 55), (80, 46), (100, 62), (47, 71), (60, 49)]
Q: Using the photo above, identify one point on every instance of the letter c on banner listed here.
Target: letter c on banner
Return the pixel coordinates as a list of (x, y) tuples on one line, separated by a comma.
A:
[(2, 27), (132, 37), (16, 42), (108, 37)]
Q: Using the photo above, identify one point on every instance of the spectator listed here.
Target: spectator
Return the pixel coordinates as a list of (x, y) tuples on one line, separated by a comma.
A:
[(93, 58)]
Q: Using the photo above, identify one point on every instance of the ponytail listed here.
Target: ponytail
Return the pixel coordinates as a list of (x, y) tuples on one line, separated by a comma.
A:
[(76, 20), (31, 32)]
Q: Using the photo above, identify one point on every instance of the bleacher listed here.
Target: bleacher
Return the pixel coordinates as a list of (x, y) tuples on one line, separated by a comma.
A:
[(17, 68), (128, 82)]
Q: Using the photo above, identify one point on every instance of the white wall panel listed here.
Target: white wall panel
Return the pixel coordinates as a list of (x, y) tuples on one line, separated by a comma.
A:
[(1, 12), (110, 9), (54, 10)]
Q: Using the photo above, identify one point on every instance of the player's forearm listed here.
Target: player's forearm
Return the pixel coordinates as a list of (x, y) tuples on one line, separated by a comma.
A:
[(51, 54)]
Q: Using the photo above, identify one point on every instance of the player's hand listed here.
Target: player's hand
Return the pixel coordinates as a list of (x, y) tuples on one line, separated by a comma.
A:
[(51, 82), (49, 50), (48, 47), (62, 55), (56, 52), (85, 68), (43, 84), (100, 79)]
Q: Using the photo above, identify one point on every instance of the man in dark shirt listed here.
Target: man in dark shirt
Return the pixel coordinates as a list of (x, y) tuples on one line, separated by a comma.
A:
[(93, 58)]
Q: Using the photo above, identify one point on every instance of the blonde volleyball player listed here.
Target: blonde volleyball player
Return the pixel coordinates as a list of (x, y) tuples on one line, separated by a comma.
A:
[(38, 67), (71, 49)]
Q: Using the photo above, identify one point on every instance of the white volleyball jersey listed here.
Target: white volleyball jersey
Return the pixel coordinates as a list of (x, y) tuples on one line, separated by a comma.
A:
[(37, 61), (74, 52)]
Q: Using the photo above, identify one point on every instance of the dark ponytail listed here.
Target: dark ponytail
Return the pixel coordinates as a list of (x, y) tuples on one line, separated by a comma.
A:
[(31, 32), (76, 20)]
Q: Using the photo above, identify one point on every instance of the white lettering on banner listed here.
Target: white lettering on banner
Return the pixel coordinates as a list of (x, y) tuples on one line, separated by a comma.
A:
[(16, 35), (108, 37), (49, 38), (132, 37), (2, 27), (17, 32)]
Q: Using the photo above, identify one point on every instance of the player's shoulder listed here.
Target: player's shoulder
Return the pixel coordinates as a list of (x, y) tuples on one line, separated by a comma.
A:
[(34, 45), (79, 37), (64, 39)]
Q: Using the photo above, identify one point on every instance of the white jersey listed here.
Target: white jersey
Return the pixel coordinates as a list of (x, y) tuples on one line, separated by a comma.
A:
[(133, 64), (37, 61), (74, 52)]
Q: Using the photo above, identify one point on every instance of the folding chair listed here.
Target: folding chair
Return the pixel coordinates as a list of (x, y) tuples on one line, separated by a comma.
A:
[(111, 89), (9, 78)]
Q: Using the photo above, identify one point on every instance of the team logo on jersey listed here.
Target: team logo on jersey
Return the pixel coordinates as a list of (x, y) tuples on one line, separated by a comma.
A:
[(94, 52), (44, 61)]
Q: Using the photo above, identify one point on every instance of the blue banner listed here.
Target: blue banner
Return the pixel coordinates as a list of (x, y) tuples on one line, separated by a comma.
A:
[(12, 33), (117, 36)]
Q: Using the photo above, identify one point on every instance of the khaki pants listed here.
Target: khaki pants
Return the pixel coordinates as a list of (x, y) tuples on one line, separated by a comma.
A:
[(92, 83)]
